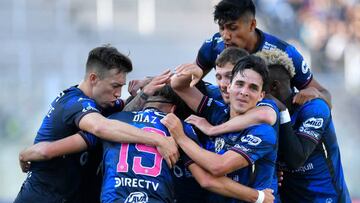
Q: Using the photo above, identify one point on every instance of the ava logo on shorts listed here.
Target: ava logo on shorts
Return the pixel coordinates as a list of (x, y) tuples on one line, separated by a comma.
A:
[(313, 123), (251, 140), (137, 197)]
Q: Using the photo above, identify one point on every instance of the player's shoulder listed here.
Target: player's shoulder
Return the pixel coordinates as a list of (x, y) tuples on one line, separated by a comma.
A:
[(270, 103), (123, 115), (315, 106), (272, 42), (263, 130)]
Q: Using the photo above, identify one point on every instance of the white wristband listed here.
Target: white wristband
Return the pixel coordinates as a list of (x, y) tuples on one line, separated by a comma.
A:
[(261, 197), (284, 116)]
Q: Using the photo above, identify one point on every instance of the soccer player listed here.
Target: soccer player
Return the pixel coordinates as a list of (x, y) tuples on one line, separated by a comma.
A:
[(233, 154), (136, 172), (266, 112), (312, 170), (79, 108), (237, 27)]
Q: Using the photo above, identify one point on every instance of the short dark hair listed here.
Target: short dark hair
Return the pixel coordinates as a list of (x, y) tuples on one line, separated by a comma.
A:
[(166, 94), (254, 63), (232, 10), (230, 55), (105, 58)]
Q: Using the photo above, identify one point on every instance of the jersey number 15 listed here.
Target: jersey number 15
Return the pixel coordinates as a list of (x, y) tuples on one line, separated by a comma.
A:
[(137, 167)]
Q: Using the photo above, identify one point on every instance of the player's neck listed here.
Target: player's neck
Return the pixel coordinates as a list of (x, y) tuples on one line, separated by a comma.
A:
[(253, 43), (85, 88)]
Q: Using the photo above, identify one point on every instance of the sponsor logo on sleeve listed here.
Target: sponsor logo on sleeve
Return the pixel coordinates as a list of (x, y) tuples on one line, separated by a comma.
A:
[(242, 148), (312, 122), (304, 67), (251, 140), (89, 107), (137, 197)]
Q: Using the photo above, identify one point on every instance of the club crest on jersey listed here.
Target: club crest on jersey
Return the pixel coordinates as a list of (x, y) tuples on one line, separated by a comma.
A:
[(137, 197), (219, 144), (251, 140), (313, 123)]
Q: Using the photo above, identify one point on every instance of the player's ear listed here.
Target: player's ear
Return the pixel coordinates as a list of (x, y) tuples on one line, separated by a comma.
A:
[(93, 78), (173, 108), (252, 24)]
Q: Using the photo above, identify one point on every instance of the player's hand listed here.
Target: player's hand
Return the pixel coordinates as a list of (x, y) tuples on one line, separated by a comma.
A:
[(201, 123), (269, 197), (190, 69), (305, 95), (24, 165), (169, 151), (135, 85), (157, 83), (174, 125)]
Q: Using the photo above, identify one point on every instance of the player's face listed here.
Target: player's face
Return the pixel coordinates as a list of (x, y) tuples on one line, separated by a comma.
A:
[(108, 89), (223, 75), (236, 33), (245, 91)]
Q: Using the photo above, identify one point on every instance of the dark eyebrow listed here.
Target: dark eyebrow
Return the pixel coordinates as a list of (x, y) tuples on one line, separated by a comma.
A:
[(254, 86)]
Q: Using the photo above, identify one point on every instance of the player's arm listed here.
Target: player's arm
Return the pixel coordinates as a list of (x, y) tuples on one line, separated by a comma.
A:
[(295, 148), (227, 187), (183, 82), (220, 164), (260, 114), (305, 82), (43, 151), (298, 144), (149, 86), (117, 131), (313, 90)]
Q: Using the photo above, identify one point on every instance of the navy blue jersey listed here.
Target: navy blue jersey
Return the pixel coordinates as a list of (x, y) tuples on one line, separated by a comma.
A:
[(213, 47), (137, 172), (321, 178), (257, 144), (62, 175)]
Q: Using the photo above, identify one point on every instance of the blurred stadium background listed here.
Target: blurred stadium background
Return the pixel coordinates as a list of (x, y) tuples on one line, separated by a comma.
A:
[(45, 44)]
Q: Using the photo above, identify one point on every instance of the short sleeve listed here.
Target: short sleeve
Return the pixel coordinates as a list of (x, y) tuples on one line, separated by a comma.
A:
[(312, 120), (207, 54), (77, 108), (303, 74), (190, 132), (257, 143), (214, 111), (90, 139)]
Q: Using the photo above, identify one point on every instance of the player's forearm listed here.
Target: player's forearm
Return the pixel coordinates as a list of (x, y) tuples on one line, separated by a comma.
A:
[(180, 82), (223, 185), (199, 155), (136, 104), (37, 152), (262, 114), (117, 131)]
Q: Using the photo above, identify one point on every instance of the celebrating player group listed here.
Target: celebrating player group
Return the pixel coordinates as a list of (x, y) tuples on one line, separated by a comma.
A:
[(263, 133)]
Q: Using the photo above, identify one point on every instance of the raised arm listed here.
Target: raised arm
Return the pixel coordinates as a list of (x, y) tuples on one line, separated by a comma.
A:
[(149, 88), (183, 83)]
